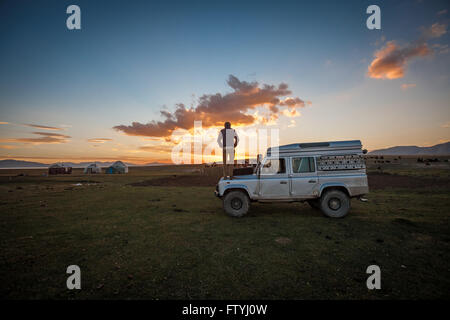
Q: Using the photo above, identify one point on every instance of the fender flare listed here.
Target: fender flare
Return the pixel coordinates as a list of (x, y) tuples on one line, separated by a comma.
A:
[(242, 187), (333, 184)]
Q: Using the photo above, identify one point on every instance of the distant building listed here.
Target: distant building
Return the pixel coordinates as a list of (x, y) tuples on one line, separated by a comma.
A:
[(92, 168), (59, 168), (117, 167)]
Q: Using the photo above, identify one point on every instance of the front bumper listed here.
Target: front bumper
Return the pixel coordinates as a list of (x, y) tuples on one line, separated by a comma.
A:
[(216, 192)]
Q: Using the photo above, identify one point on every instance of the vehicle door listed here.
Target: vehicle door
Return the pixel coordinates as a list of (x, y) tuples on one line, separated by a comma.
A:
[(303, 178), (274, 179)]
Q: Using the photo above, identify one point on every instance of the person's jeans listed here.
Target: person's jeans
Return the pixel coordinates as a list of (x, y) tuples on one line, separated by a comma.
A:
[(228, 161)]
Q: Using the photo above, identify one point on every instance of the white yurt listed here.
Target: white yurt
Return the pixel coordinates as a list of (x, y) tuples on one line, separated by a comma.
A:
[(117, 167), (92, 168)]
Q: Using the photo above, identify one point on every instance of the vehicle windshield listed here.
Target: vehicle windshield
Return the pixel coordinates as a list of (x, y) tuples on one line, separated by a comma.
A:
[(274, 166)]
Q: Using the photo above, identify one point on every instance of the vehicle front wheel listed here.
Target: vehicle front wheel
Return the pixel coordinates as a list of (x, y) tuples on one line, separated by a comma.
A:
[(236, 203), (335, 204)]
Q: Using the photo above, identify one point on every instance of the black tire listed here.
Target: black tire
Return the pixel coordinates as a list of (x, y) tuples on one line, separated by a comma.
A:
[(314, 203), (335, 204), (236, 203)]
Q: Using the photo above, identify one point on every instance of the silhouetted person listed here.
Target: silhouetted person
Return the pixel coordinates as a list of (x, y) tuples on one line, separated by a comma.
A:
[(227, 140)]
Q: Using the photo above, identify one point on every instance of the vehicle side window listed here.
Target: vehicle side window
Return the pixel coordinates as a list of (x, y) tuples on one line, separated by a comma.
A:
[(274, 166), (303, 164)]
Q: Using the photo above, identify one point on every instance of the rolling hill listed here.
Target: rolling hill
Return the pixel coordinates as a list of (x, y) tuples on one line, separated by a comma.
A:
[(439, 149)]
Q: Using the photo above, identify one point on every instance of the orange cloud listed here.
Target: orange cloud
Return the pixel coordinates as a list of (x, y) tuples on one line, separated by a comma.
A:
[(99, 140), (407, 86), (157, 148), (45, 137), (215, 109), (390, 62)]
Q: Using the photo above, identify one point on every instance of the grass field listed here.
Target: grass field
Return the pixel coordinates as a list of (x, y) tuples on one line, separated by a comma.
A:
[(169, 242)]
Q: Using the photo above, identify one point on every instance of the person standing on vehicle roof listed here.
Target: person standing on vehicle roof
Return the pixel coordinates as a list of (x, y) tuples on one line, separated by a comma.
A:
[(228, 141)]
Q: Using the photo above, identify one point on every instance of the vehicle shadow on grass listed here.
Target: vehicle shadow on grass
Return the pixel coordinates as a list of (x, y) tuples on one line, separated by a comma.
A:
[(282, 209)]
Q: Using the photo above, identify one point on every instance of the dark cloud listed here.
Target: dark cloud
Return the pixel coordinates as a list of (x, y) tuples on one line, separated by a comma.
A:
[(49, 134), (435, 31), (215, 109), (38, 126)]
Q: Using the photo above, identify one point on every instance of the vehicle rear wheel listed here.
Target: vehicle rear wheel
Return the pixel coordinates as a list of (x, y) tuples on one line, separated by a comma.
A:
[(335, 204), (236, 203)]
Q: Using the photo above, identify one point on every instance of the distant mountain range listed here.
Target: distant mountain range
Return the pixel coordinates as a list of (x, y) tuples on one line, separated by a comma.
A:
[(155, 164), (11, 163), (439, 149), (20, 164)]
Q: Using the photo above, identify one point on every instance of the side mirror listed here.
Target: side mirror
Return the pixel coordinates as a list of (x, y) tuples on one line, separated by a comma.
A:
[(258, 166)]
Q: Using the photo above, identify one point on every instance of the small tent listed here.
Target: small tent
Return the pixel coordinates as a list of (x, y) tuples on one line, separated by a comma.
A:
[(92, 168), (117, 167)]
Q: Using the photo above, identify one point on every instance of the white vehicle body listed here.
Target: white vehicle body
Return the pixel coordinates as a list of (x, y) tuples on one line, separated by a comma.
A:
[(303, 171)]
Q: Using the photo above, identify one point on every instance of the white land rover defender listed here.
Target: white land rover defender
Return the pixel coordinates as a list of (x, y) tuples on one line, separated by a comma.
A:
[(324, 174)]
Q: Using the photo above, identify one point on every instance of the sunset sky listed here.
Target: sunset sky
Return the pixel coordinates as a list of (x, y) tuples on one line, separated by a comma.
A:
[(137, 70)]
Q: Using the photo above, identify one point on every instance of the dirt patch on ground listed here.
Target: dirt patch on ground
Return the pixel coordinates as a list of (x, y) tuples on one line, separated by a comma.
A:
[(283, 240), (376, 181), (179, 181), (386, 180)]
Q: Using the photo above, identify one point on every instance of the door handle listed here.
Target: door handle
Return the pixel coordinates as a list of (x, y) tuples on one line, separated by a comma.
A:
[(283, 182), (312, 181)]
